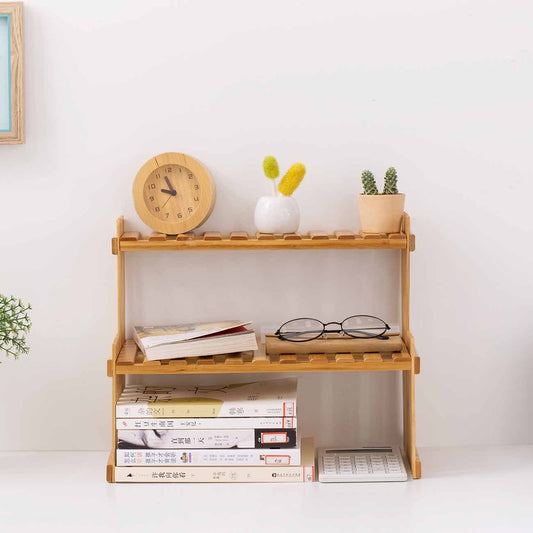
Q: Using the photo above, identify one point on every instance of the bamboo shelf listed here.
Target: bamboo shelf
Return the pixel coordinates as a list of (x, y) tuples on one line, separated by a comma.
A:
[(132, 241), (131, 361), (126, 359)]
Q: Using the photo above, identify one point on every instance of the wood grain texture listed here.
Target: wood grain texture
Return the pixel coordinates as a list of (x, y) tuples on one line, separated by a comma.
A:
[(17, 134), (110, 468), (131, 236), (216, 241), (128, 353), (238, 236), (333, 344), (121, 294), (128, 360), (247, 362), (157, 237), (190, 205)]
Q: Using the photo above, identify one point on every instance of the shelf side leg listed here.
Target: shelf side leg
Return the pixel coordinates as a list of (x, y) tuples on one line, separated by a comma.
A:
[(409, 433), (119, 381), (121, 276), (405, 279)]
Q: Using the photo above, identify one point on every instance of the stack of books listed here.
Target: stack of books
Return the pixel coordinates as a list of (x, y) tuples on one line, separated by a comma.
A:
[(231, 433), (194, 340)]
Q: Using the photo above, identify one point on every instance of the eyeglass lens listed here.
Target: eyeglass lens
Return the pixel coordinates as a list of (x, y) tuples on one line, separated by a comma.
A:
[(364, 326), (301, 329)]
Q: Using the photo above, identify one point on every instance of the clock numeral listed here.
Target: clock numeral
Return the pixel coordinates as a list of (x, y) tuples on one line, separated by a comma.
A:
[(157, 209), (180, 215), (190, 209), (190, 175), (158, 176), (151, 198), (151, 186), (196, 187), (167, 214), (196, 199), (169, 169)]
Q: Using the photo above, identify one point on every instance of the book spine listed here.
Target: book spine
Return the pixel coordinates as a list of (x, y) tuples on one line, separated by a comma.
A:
[(209, 457), (217, 474), (131, 408), (206, 438), (206, 423)]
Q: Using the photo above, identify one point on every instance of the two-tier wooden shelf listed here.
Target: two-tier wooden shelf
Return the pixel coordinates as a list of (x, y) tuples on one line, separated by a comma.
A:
[(127, 359)]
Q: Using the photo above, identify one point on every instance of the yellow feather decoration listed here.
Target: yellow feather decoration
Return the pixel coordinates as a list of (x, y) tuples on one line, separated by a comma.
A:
[(294, 176), (270, 166)]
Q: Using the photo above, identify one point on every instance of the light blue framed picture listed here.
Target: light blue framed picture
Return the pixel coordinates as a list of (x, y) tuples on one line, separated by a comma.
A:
[(11, 73)]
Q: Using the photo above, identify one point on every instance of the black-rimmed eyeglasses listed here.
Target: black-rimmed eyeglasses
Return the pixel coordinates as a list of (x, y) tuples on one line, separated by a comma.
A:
[(357, 327)]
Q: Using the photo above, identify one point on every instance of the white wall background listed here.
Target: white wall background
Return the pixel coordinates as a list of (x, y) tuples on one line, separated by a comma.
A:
[(441, 90)]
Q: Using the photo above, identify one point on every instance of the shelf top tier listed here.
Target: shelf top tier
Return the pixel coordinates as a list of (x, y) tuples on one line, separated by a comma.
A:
[(130, 241)]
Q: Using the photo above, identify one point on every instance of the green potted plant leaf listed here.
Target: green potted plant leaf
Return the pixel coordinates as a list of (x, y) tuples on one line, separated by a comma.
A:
[(14, 325), (381, 213)]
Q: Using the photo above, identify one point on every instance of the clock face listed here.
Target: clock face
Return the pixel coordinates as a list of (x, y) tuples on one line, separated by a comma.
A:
[(173, 193)]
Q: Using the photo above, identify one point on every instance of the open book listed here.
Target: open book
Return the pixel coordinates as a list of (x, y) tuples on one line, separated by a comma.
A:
[(194, 339)]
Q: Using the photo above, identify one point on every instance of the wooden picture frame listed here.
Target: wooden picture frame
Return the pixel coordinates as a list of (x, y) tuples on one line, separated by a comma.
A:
[(11, 74)]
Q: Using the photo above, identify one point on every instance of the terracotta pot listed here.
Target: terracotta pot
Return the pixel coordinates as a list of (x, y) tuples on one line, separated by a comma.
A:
[(381, 213)]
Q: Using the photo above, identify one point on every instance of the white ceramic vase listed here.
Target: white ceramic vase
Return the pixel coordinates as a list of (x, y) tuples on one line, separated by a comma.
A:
[(277, 214)]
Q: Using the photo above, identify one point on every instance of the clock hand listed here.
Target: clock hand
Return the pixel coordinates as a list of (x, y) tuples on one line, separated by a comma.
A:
[(167, 201), (172, 192), (169, 184)]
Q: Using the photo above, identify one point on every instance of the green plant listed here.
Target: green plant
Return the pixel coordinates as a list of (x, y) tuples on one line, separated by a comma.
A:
[(14, 325), (390, 186), (391, 180), (369, 183)]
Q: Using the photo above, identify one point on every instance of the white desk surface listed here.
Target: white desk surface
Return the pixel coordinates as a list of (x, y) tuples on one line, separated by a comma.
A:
[(462, 490)]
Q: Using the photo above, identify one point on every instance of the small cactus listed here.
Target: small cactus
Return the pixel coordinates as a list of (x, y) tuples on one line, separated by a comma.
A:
[(391, 179), (369, 183), (294, 176), (270, 166)]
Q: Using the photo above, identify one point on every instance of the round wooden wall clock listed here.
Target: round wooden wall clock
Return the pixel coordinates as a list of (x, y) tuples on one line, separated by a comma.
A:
[(173, 193)]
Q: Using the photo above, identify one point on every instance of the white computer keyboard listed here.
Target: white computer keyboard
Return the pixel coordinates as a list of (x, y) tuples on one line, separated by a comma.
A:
[(362, 464)]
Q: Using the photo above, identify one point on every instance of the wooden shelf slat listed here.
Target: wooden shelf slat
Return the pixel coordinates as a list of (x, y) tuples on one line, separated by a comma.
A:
[(157, 237), (127, 355), (130, 236), (345, 234), (265, 236), (238, 236), (238, 240), (212, 236), (344, 358), (372, 358), (259, 362), (322, 235)]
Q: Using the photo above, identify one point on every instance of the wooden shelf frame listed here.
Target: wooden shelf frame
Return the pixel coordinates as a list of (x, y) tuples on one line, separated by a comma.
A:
[(133, 241), (130, 361), (127, 360)]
